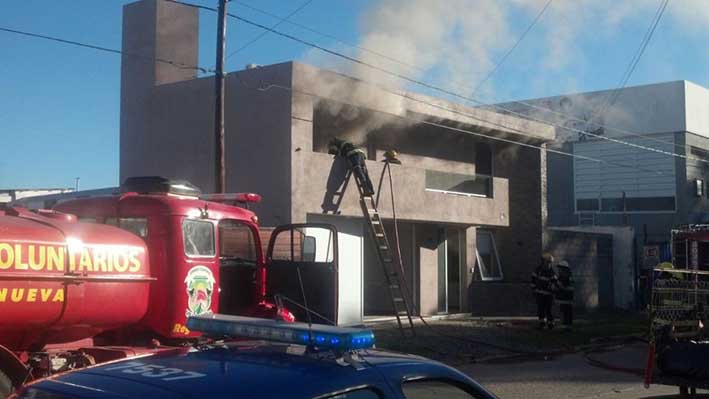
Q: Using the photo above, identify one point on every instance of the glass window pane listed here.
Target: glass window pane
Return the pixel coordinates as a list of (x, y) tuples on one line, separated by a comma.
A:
[(237, 244), (433, 389), (488, 261), (477, 185), (137, 226), (198, 237), (309, 244)]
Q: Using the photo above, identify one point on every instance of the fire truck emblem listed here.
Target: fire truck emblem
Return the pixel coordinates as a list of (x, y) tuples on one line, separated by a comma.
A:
[(200, 285)]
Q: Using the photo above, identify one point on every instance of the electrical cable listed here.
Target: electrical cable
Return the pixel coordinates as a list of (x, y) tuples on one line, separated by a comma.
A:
[(430, 123), (567, 116), (511, 49), (434, 87), (108, 50), (264, 33), (449, 92), (329, 36), (202, 69), (634, 61)]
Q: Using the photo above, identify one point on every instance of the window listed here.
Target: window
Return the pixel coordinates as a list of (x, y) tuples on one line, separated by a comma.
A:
[(483, 159), (433, 389), (198, 237), (237, 244), (586, 205), (361, 393), (637, 204), (488, 259), (305, 244), (137, 226), (699, 187), (679, 253), (474, 185)]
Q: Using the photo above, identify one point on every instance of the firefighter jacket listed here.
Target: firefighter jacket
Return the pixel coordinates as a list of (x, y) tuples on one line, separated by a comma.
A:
[(565, 290), (544, 280)]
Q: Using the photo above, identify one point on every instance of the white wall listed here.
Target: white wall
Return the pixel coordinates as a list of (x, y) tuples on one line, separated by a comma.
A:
[(350, 237), (697, 109), (654, 108)]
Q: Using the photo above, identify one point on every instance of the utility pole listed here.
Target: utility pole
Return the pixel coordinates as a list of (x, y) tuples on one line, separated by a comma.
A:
[(219, 167)]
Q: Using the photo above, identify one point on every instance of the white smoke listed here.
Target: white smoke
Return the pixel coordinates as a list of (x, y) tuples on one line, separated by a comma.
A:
[(454, 44)]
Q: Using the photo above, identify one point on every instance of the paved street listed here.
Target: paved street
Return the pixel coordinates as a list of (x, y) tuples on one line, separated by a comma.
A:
[(569, 376)]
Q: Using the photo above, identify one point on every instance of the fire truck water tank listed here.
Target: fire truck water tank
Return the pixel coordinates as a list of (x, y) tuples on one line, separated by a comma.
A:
[(62, 280)]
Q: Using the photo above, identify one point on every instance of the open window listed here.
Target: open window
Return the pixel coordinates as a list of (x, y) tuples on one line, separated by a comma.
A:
[(487, 257), (238, 260), (304, 255)]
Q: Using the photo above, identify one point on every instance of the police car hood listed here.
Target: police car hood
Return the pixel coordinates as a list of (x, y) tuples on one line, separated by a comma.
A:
[(259, 371)]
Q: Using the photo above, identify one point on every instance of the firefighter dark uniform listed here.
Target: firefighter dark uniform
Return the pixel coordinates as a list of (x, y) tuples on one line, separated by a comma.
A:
[(356, 157), (543, 285), (565, 293)]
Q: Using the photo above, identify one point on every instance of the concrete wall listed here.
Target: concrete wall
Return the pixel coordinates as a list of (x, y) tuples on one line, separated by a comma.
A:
[(654, 108), (695, 102), (591, 261), (624, 273), (152, 29), (257, 137)]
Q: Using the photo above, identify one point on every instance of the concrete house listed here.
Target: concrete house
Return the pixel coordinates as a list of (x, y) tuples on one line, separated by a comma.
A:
[(470, 201)]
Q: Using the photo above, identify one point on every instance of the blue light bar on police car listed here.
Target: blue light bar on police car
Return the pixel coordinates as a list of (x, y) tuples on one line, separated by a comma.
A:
[(321, 336)]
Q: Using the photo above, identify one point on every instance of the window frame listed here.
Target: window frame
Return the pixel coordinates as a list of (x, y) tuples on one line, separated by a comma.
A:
[(494, 250), (214, 238), (371, 388), (255, 238), (458, 384)]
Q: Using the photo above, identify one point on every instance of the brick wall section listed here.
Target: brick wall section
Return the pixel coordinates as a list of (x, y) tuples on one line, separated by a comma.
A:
[(520, 245)]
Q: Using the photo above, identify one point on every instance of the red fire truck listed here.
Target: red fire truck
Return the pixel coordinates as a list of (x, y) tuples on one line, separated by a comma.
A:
[(103, 278)]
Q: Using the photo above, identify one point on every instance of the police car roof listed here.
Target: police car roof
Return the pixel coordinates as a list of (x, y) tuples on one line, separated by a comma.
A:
[(247, 370)]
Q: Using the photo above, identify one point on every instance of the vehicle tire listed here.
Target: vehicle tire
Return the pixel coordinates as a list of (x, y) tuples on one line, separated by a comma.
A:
[(5, 385)]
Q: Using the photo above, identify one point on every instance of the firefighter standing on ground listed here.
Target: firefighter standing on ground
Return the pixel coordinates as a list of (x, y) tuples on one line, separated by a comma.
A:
[(543, 283), (565, 293)]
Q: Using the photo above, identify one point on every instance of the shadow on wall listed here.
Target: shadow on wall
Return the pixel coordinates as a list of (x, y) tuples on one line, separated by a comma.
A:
[(337, 182), (590, 259)]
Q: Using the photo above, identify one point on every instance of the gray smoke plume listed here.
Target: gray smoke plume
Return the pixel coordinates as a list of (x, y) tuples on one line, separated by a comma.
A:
[(454, 43)]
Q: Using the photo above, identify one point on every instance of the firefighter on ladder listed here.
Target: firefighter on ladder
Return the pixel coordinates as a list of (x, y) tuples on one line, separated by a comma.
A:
[(356, 157), (543, 283), (565, 294)]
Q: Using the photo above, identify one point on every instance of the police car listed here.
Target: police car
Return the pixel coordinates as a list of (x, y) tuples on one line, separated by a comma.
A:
[(279, 360)]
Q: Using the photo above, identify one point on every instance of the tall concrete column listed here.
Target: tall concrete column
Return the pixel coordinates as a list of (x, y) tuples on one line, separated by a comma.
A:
[(152, 29)]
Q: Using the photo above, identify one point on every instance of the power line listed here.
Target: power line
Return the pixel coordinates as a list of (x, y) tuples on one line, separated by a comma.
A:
[(327, 36), (106, 49), (264, 33), (267, 87), (446, 91), (635, 60), (414, 67), (449, 92), (94, 47), (511, 49)]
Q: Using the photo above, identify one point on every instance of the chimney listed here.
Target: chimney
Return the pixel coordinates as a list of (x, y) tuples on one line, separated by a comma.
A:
[(152, 29)]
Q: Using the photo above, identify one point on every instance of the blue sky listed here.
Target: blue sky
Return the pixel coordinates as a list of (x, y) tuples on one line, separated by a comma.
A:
[(59, 105)]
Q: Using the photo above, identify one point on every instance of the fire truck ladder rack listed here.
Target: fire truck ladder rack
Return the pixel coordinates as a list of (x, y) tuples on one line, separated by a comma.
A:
[(394, 276)]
